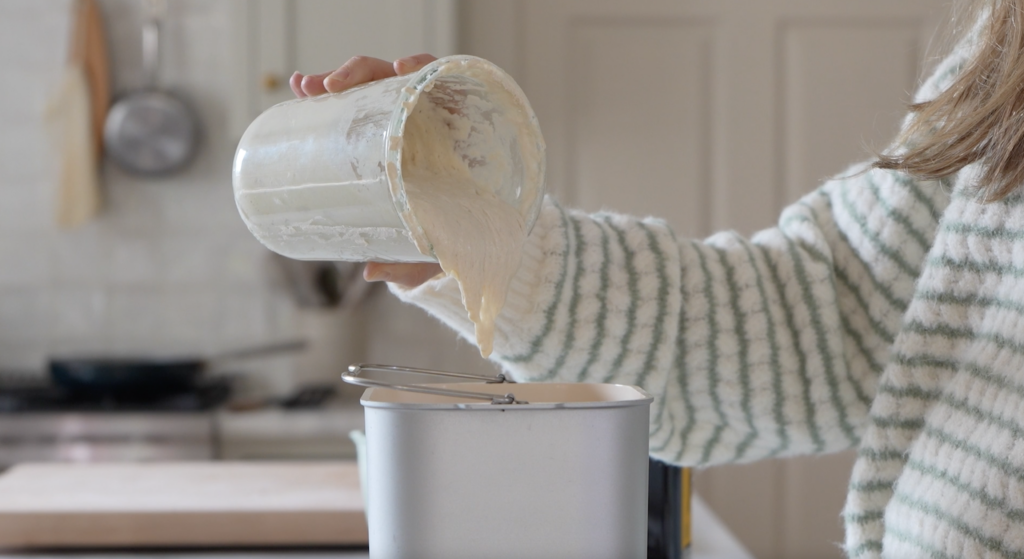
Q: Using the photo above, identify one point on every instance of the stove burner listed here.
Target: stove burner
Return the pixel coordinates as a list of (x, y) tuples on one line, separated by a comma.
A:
[(31, 393)]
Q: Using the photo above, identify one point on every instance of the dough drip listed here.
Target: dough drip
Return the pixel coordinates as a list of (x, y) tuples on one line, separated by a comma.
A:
[(450, 189)]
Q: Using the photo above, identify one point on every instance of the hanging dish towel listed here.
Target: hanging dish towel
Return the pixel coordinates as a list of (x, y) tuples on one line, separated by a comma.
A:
[(75, 116)]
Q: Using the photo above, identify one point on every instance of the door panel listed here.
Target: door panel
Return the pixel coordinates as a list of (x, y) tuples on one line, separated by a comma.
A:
[(650, 153), (845, 86)]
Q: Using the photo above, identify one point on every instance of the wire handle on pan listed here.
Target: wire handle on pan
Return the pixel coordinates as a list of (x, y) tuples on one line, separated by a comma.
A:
[(353, 377)]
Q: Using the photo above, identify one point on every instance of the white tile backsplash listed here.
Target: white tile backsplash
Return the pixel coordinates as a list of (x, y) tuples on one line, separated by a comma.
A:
[(168, 267), (22, 263), (245, 317), (24, 156), (78, 313), (189, 318), (34, 206), (80, 257), (137, 319), (48, 19), (245, 263), (24, 314), (198, 205), (24, 356), (184, 265), (131, 204), (135, 261)]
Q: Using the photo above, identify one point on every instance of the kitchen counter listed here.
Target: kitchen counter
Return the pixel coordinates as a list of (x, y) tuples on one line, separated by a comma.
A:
[(201, 502), (712, 540)]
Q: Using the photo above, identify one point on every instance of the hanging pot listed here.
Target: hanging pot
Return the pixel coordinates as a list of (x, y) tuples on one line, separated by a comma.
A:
[(151, 131)]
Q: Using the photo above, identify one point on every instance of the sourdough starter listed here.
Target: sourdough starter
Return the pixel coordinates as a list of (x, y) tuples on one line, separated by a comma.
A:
[(476, 237)]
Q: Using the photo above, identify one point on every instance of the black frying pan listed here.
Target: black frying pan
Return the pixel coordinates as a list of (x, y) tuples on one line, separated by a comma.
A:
[(144, 377)]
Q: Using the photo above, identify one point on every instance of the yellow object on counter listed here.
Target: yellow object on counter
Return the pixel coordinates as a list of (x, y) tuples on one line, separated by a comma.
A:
[(686, 518)]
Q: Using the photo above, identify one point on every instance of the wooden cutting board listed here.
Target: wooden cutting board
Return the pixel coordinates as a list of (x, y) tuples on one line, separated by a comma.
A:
[(205, 504)]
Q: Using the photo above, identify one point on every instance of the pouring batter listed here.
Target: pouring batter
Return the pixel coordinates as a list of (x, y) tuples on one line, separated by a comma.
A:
[(476, 237)]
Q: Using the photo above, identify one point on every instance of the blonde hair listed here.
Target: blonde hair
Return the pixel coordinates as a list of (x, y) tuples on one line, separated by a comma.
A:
[(980, 117)]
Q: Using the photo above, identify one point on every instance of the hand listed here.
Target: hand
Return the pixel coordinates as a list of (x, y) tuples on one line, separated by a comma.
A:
[(360, 70)]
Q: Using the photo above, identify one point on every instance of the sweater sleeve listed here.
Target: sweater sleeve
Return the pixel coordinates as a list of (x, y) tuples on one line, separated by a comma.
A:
[(752, 348)]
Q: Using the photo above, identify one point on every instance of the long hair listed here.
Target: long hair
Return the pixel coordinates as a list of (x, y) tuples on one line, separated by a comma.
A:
[(980, 117)]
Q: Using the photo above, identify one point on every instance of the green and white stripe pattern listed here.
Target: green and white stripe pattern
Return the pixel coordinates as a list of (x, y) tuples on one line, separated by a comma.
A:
[(881, 313)]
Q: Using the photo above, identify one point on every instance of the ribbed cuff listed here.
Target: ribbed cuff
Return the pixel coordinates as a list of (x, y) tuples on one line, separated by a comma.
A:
[(440, 297)]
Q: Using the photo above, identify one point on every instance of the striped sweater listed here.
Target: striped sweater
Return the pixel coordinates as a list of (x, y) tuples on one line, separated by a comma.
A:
[(882, 313)]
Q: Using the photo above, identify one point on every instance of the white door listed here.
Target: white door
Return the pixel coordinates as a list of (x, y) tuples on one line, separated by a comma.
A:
[(274, 38), (713, 114)]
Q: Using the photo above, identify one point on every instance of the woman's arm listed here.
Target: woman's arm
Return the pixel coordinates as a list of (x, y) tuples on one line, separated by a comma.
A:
[(769, 346)]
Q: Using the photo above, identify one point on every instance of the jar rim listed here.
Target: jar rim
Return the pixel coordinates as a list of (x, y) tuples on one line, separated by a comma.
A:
[(421, 82)]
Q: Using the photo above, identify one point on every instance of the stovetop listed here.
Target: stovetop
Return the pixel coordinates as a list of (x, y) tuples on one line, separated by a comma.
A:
[(21, 392)]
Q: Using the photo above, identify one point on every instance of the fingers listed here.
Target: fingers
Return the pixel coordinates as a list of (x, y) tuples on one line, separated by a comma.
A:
[(313, 84), (307, 86), (410, 64), (358, 70), (407, 275), (295, 82)]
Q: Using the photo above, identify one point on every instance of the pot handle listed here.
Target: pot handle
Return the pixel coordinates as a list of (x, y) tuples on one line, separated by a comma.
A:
[(151, 43), (354, 376)]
